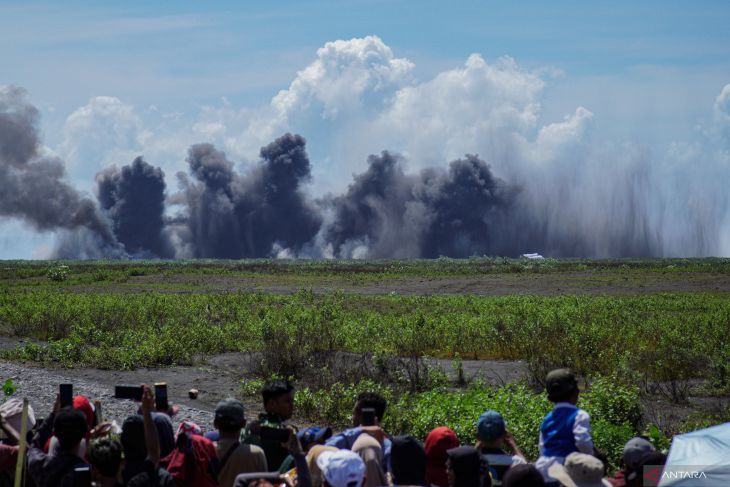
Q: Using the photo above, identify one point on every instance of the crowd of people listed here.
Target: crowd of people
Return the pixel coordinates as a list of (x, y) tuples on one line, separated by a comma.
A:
[(71, 447)]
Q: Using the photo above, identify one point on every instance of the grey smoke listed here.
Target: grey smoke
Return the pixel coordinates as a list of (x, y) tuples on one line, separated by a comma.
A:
[(34, 186), (229, 215), (583, 206), (387, 213), (134, 200)]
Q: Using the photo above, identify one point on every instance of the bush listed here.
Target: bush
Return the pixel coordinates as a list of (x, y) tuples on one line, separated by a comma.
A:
[(58, 273), (612, 409)]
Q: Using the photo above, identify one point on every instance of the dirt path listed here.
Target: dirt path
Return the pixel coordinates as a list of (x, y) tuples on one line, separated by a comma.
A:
[(215, 381)]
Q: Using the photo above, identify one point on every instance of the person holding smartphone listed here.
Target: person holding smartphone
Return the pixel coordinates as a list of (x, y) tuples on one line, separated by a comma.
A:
[(69, 426), (366, 418)]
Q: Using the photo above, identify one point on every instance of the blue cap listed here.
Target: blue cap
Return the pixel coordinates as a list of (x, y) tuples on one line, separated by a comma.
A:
[(490, 426), (312, 436)]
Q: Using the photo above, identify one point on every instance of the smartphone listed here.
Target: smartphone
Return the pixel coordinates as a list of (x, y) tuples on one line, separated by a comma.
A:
[(67, 394), (161, 403), (128, 392), (279, 435), (368, 416), (82, 476)]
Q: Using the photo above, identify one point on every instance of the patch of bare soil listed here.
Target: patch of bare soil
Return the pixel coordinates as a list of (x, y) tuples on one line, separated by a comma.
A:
[(549, 284)]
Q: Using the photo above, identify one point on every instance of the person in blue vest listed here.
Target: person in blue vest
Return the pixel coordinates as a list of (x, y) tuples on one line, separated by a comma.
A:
[(566, 429)]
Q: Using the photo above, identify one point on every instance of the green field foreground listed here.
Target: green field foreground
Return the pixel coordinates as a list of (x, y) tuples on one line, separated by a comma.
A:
[(624, 346), (650, 337)]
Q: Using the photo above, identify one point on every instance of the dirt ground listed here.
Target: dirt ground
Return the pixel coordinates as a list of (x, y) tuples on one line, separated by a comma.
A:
[(549, 284), (216, 378)]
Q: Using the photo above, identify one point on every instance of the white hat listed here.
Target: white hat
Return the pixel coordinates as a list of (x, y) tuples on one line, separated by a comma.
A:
[(12, 411), (341, 468), (580, 470)]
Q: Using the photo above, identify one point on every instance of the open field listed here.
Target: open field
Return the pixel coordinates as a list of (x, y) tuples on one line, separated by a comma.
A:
[(652, 333)]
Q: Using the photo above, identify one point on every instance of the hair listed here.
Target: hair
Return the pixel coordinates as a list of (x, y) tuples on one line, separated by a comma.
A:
[(372, 400), (133, 439), (69, 427), (275, 388), (105, 454), (408, 461), (227, 427), (565, 396)]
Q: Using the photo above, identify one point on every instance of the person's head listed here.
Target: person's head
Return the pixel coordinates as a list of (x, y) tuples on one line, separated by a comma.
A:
[(341, 468), (278, 398), (523, 475), (634, 475), (229, 417), (105, 457), (562, 386), (407, 461), (634, 450), (438, 442), (132, 438), (309, 437), (369, 400), (580, 470), (491, 429), (464, 466), (69, 427)]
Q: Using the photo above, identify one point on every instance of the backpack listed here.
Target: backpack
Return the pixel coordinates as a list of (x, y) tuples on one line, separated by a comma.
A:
[(193, 462)]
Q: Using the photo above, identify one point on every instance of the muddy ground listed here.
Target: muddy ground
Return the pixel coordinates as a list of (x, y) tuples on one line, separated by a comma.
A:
[(549, 284)]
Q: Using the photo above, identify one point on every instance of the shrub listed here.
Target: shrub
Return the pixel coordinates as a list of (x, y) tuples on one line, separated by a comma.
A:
[(58, 273)]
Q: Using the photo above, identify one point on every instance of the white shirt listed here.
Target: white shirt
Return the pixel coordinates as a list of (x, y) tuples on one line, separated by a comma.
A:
[(581, 433)]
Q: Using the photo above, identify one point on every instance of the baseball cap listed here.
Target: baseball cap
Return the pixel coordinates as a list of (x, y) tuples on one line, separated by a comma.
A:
[(634, 450), (341, 468), (559, 383), (230, 411), (313, 435), (490, 425)]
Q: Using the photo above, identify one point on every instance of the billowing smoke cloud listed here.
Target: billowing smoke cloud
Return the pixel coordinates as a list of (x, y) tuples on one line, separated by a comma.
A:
[(229, 215), (33, 185), (387, 213), (134, 200)]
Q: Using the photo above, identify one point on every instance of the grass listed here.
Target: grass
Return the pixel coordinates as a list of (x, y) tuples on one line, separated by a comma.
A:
[(122, 315), (659, 338)]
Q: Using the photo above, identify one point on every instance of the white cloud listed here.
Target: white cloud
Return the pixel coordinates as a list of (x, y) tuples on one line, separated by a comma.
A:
[(479, 107), (347, 78), (100, 133), (557, 137), (341, 74)]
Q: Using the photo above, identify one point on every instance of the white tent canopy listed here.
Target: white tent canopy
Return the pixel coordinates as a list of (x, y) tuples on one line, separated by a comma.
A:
[(699, 459)]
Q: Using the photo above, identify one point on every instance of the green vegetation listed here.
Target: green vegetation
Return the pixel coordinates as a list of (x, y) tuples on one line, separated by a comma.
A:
[(122, 315), (101, 274), (639, 338), (615, 410)]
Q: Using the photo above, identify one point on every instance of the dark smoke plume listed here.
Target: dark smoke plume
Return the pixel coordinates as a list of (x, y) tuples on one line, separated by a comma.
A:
[(235, 216), (33, 185), (134, 200), (389, 214)]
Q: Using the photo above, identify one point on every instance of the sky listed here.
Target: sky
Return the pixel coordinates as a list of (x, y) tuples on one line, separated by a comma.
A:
[(526, 85)]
